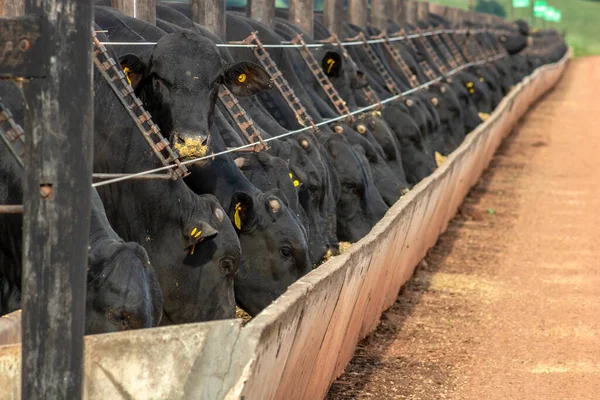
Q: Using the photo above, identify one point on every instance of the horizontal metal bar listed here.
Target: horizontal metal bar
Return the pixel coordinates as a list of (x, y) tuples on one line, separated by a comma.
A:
[(11, 209), (145, 177)]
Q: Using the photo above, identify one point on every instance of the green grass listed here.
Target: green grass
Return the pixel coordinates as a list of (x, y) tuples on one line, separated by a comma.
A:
[(580, 19)]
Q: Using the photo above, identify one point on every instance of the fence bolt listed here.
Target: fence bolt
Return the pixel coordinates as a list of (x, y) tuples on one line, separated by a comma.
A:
[(46, 190)]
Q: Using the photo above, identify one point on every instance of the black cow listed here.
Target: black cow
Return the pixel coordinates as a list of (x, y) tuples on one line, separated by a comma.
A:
[(195, 265), (238, 28), (178, 88), (122, 288), (263, 222)]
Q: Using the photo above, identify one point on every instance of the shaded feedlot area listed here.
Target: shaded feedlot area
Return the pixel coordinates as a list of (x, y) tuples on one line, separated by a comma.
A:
[(506, 305)]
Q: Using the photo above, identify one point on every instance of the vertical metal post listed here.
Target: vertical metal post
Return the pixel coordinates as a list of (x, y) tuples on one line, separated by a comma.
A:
[(56, 195), (398, 11), (357, 12), (422, 10), (379, 13), (146, 10), (262, 11), (411, 11), (301, 15), (210, 14), (333, 13), (127, 7)]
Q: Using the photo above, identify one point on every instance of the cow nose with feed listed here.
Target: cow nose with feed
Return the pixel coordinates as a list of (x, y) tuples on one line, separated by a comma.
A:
[(190, 145)]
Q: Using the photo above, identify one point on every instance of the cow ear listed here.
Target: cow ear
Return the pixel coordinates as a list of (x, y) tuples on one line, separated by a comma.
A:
[(246, 78), (241, 211), (332, 64), (196, 231), (134, 68)]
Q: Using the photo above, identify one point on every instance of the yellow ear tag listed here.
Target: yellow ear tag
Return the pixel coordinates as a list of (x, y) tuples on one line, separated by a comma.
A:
[(330, 63), (470, 85), (481, 80), (236, 216), (126, 70), (291, 176), (242, 78), (193, 248), (296, 182), (471, 91)]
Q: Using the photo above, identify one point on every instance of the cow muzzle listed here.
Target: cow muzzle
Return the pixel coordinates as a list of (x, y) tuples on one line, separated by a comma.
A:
[(190, 146)]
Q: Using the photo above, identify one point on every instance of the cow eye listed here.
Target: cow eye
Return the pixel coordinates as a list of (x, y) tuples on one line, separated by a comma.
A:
[(349, 188), (285, 252), (227, 265)]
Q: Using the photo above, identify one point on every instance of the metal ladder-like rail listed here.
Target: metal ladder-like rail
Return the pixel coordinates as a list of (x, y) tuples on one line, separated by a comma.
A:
[(425, 67), (241, 118), (116, 79), (412, 79), (368, 91), (12, 134), (381, 70), (286, 91), (338, 103)]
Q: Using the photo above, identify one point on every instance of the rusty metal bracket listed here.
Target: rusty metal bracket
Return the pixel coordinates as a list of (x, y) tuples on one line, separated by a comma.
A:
[(12, 134), (22, 50)]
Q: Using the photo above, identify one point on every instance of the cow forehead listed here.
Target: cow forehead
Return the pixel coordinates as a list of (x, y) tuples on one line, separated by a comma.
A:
[(190, 58)]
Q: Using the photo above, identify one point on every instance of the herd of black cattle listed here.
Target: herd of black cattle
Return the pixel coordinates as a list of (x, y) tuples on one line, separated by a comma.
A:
[(245, 225)]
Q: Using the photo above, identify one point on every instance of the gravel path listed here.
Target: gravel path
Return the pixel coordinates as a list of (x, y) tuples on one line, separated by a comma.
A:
[(507, 305)]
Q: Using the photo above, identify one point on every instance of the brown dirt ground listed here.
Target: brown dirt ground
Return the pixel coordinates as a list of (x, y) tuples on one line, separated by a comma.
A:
[(506, 306)]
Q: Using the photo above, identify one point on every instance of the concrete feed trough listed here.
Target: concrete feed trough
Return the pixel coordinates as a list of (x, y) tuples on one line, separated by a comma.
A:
[(297, 346)]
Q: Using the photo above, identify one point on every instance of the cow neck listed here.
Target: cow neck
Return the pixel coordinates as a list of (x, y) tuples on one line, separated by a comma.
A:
[(220, 177), (445, 51), (12, 134), (381, 70), (367, 91), (116, 80), (137, 209), (412, 79), (241, 118), (450, 42), (330, 91), (282, 85), (433, 55), (425, 67)]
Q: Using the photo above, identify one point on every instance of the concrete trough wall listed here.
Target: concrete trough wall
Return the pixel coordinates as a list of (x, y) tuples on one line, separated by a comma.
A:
[(307, 337), (297, 346)]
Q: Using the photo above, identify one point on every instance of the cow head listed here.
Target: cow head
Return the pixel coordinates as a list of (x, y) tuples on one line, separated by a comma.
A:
[(179, 86), (122, 290), (277, 253), (359, 205), (198, 264), (417, 157)]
